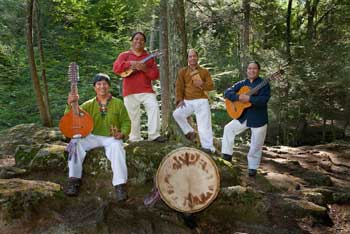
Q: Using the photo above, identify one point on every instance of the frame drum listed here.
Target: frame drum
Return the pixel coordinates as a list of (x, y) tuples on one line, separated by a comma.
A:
[(188, 180)]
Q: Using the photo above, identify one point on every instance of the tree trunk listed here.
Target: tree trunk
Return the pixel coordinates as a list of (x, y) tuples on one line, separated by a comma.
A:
[(288, 31), (152, 40), (42, 63), (32, 66), (164, 65), (177, 50), (311, 8), (245, 36)]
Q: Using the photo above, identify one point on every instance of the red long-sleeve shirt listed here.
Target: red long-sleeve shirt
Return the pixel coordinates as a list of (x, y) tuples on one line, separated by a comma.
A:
[(138, 81)]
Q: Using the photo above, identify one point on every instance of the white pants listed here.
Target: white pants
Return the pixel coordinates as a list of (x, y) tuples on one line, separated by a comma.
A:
[(201, 108), (114, 151), (257, 139), (132, 103)]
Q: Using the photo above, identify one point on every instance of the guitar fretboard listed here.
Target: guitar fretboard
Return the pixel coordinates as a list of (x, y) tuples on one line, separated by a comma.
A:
[(258, 87)]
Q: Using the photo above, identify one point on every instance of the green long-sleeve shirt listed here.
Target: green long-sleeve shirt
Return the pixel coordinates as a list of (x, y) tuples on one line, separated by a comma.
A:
[(116, 116)]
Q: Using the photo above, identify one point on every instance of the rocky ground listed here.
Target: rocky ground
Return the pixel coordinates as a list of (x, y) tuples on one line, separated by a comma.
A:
[(297, 190)]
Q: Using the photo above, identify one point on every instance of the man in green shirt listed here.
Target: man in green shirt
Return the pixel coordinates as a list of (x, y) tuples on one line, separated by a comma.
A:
[(111, 126)]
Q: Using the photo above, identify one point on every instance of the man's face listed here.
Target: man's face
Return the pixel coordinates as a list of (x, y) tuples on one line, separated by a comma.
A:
[(252, 71), (192, 58), (138, 42), (101, 88)]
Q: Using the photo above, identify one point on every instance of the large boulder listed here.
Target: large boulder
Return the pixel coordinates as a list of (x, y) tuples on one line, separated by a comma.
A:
[(27, 134), (18, 197)]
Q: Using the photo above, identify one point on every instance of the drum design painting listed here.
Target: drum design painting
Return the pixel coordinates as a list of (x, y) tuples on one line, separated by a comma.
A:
[(188, 180)]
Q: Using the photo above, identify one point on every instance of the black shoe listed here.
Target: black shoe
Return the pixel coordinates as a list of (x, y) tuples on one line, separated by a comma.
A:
[(208, 151), (161, 139), (252, 172), (227, 157), (120, 192), (191, 136), (72, 187)]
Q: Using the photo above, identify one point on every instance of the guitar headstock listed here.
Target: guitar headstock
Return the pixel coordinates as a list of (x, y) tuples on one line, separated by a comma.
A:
[(73, 72), (277, 75), (157, 53)]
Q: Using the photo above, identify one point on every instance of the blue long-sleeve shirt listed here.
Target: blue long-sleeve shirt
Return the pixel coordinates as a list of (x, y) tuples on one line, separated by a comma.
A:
[(256, 114)]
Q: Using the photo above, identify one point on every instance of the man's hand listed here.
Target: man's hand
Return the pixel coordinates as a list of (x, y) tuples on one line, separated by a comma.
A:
[(181, 104), (114, 131), (136, 65), (198, 83), (244, 98), (72, 98), (118, 135)]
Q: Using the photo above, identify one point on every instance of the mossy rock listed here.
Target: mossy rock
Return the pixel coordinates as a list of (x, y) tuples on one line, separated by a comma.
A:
[(24, 154), (28, 134), (18, 197), (143, 159), (44, 157), (303, 208), (229, 172), (237, 203)]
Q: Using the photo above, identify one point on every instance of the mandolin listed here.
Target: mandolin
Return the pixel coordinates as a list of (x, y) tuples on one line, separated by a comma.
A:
[(129, 71), (76, 123), (236, 108)]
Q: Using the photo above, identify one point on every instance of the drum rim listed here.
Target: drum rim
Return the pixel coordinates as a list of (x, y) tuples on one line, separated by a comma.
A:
[(216, 172)]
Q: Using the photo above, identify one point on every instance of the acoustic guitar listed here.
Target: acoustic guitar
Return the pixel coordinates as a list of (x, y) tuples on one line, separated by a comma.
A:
[(76, 123), (129, 71), (236, 108)]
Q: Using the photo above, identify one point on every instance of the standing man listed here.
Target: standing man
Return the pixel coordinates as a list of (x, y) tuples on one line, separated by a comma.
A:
[(111, 126), (137, 88), (192, 84), (254, 117)]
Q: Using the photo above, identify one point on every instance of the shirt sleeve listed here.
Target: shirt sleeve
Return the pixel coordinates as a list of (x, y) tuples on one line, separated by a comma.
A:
[(262, 97), (208, 84), (121, 64), (152, 71), (231, 93), (180, 87)]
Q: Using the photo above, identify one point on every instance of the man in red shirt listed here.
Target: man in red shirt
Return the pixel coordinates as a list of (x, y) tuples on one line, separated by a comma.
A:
[(137, 88)]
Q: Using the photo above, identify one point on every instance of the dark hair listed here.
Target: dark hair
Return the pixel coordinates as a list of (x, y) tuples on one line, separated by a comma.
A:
[(135, 33), (193, 51), (255, 62), (101, 76)]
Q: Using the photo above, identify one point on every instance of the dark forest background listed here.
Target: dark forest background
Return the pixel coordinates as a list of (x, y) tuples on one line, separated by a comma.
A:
[(310, 105)]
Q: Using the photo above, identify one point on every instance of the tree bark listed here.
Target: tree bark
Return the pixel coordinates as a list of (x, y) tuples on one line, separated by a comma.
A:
[(164, 65), (311, 8), (32, 66), (42, 63), (152, 40), (177, 50), (288, 30), (245, 29)]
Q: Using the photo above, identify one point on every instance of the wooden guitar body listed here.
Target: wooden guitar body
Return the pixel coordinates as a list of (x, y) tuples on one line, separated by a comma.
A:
[(76, 125), (126, 73), (236, 108)]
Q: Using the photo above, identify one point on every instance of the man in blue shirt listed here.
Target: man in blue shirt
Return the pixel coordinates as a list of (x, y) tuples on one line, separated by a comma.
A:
[(255, 117)]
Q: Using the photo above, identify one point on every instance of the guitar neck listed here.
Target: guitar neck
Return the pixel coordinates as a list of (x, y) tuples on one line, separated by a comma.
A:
[(74, 91), (258, 87), (147, 58)]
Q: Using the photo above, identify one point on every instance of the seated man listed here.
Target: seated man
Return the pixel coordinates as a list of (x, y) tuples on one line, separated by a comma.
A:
[(111, 125), (192, 84)]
